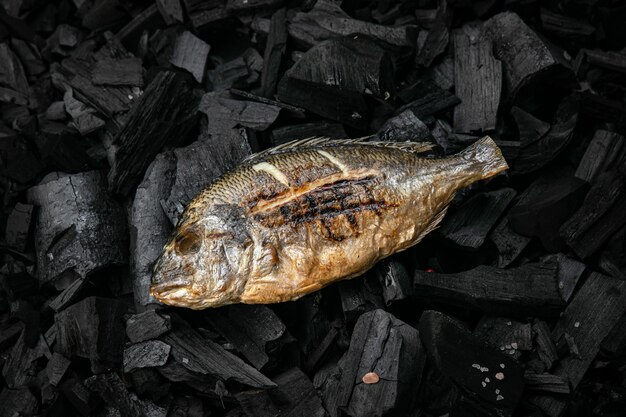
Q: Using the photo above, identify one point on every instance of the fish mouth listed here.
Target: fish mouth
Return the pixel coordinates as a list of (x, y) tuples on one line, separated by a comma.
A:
[(166, 290)]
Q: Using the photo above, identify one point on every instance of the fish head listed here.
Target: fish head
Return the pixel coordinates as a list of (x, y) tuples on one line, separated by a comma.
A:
[(204, 264)]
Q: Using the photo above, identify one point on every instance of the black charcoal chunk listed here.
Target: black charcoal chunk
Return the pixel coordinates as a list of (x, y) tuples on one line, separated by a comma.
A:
[(389, 348), (80, 228), (274, 51), (18, 226), (29, 56), (203, 14), (426, 99), (327, 20), (469, 226), (147, 354), (333, 78), (531, 289), (18, 402), (191, 53), (226, 113), (404, 126), (570, 272), (588, 322), (237, 73), (10, 333), (94, 329), (22, 363), (614, 344), (509, 336), (14, 86), (69, 294), (19, 163), (546, 382), (530, 128), (509, 243), (613, 257), (493, 378), (83, 117), (123, 71), (255, 331), (602, 154), (477, 80), (436, 40), (147, 20), (294, 395), (171, 11), (395, 280), (545, 347), (566, 27), (360, 295), (205, 357), (80, 396), (294, 110), (163, 114), (56, 368), (147, 325)]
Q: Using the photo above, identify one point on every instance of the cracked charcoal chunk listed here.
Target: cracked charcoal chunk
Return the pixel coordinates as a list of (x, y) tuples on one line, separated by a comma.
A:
[(274, 51), (509, 243), (395, 280), (191, 53), (404, 126), (438, 36), (22, 363), (18, 402), (123, 71), (79, 228), (603, 153), (56, 368), (147, 325), (18, 226), (146, 354)]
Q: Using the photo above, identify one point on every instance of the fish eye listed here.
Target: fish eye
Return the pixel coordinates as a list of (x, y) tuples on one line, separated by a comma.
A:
[(188, 243)]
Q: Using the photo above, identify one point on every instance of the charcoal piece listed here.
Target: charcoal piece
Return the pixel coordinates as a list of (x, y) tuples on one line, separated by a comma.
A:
[(188, 406), (19, 162), (61, 149), (104, 14), (202, 14), (295, 111), (469, 226), (23, 362), (147, 325), (570, 272), (358, 296), (294, 395), (56, 111), (602, 154), (226, 113), (146, 354), (18, 402), (69, 295), (425, 99), (493, 377), (286, 134), (205, 357), (394, 279), (12, 77), (530, 128), (612, 61), (148, 381), (404, 126), (327, 20), (601, 215), (477, 80), (326, 80), (191, 53), (546, 383), (84, 119), (176, 372), (79, 396), (163, 114), (545, 205), (171, 11), (148, 19), (613, 257), (18, 226), (442, 73), (93, 328), (509, 336), (251, 5), (528, 60), (274, 51), (255, 331), (64, 39), (531, 289), (588, 322), (566, 27), (546, 349), (29, 56), (79, 228), (509, 243), (390, 348), (538, 154), (124, 71), (56, 368), (437, 38), (614, 343), (602, 108), (9, 334), (233, 74), (321, 352)]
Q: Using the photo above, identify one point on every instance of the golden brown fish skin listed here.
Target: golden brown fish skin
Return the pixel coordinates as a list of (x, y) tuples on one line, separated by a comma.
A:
[(287, 224)]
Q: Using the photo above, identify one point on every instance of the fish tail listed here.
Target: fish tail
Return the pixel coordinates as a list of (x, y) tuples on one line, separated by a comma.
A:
[(484, 157)]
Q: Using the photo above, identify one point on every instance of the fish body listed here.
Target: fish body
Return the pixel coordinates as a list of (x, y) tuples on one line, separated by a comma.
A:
[(293, 219)]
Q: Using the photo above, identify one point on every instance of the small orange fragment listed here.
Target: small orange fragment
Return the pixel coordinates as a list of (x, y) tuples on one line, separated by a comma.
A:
[(371, 378), (500, 376)]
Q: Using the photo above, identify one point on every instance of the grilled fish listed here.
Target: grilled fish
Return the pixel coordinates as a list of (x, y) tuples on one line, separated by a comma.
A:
[(295, 218)]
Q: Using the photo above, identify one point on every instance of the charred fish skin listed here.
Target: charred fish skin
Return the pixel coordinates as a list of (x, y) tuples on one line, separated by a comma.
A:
[(294, 219)]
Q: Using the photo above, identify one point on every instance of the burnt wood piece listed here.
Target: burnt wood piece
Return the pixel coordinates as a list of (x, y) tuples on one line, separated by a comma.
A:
[(546, 383), (603, 153), (294, 396), (19, 162), (477, 80), (191, 53), (237, 73), (15, 88), (81, 398), (601, 215), (225, 113), (18, 226), (56, 368), (404, 126), (612, 61), (528, 60), (493, 378), (104, 14), (148, 19), (509, 336), (545, 347), (10, 333), (359, 295), (392, 350), (254, 330), (83, 117), (530, 129), (80, 228), (163, 114), (238, 6), (614, 344), (147, 325), (146, 354), (531, 289), (295, 111), (538, 154), (63, 40), (94, 329), (123, 71), (333, 78), (29, 55), (327, 20), (588, 322), (566, 27), (62, 149), (148, 381), (469, 226), (274, 51), (395, 280), (171, 11), (442, 73), (18, 402), (437, 38), (205, 357), (509, 243), (288, 133), (613, 258), (545, 205), (202, 13), (69, 294), (22, 363), (602, 108), (426, 99), (319, 354)]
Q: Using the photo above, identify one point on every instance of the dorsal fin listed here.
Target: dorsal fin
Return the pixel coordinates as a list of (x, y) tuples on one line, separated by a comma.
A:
[(324, 142)]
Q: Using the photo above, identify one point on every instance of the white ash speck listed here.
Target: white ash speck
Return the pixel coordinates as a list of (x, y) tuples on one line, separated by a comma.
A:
[(514, 345), (499, 398), (509, 323), (497, 391), (130, 97), (502, 365), (475, 365), (487, 380), (185, 360), (484, 384), (356, 115), (484, 369), (577, 324)]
